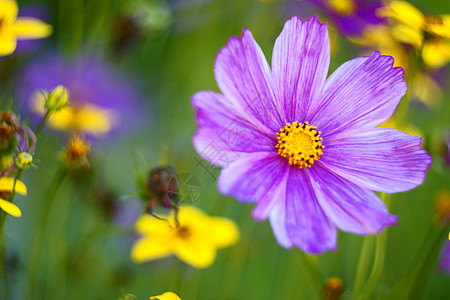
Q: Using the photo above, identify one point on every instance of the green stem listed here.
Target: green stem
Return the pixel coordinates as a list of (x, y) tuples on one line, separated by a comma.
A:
[(363, 263), (380, 253), (43, 122), (38, 235), (311, 265), (3, 217)]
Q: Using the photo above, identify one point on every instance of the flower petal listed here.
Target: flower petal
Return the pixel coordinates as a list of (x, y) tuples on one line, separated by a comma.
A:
[(221, 232), (7, 184), (8, 43), (222, 132), (31, 28), (350, 207), (300, 61), (148, 248), (244, 77), (253, 177), (361, 93), (436, 53), (195, 252), (385, 160), (298, 220), (8, 11), (10, 208)]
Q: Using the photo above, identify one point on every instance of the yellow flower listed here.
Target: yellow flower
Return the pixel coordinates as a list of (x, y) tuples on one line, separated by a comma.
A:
[(13, 28), (84, 117), (75, 154), (428, 33), (6, 187), (166, 296), (195, 241)]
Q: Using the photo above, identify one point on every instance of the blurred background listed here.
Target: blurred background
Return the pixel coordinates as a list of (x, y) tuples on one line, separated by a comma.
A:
[(139, 62)]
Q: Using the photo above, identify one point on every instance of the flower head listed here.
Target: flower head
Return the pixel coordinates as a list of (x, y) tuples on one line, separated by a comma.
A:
[(428, 33), (305, 148), (13, 28), (100, 100), (24, 160), (166, 296), (6, 187), (194, 241), (75, 154)]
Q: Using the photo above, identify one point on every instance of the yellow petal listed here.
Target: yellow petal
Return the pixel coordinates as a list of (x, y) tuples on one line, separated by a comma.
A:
[(195, 252), (10, 208), (151, 226), (8, 11), (93, 120), (403, 12), (147, 249), (407, 35), (7, 183), (436, 53), (31, 28), (166, 296), (441, 27), (8, 43), (222, 232), (62, 119)]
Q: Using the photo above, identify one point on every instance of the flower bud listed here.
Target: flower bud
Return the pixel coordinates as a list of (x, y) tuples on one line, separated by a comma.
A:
[(57, 99), (75, 154), (333, 289), (24, 160)]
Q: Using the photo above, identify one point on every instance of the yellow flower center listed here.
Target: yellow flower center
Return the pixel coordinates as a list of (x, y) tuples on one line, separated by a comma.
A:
[(183, 232), (300, 144)]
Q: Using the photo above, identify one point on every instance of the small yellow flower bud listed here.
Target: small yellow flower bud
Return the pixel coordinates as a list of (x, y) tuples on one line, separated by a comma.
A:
[(333, 289), (24, 160), (57, 99), (442, 211)]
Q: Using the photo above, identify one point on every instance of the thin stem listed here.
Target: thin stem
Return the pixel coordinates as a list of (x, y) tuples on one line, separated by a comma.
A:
[(363, 263), (38, 236), (311, 265), (378, 263), (43, 122)]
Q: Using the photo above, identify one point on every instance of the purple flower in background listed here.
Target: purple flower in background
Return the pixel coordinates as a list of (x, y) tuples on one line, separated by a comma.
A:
[(101, 100), (444, 259), (263, 131), (350, 17)]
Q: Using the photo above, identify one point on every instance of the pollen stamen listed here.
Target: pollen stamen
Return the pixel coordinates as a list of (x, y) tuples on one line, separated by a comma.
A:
[(300, 143)]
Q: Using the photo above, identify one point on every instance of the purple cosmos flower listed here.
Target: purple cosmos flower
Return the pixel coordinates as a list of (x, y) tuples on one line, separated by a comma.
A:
[(350, 16), (263, 131), (102, 100)]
